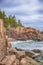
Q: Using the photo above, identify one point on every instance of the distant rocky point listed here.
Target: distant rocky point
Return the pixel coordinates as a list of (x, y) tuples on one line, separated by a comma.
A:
[(24, 33)]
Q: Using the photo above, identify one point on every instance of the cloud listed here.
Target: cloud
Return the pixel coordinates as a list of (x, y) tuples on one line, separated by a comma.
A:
[(30, 12), (40, 1)]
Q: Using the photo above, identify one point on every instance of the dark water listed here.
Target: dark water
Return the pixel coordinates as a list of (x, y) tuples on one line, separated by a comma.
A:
[(28, 45)]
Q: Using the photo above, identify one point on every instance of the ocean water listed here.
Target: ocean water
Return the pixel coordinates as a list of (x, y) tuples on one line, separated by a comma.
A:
[(28, 45)]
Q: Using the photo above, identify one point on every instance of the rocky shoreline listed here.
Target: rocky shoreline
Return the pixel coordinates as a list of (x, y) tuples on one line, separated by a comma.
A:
[(12, 56), (35, 55)]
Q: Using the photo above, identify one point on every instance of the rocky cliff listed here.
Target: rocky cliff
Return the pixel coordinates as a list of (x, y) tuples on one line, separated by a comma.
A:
[(24, 33), (9, 55), (2, 41)]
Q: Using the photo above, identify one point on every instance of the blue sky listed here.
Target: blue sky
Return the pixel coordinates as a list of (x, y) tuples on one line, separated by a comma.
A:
[(30, 12)]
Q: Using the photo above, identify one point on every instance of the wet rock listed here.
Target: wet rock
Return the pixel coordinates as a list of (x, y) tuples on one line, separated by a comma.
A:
[(29, 53), (36, 51), (42, 53)]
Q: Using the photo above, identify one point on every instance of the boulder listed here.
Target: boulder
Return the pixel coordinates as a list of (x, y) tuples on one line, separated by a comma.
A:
[(20, 54), (30, 54), (11, 51), (36, 51), (5, 59), (23, 61), (16, 62), (1, 63), (10, 60)]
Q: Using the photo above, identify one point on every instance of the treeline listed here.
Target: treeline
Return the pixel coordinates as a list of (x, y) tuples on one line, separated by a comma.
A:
[(9, 21)]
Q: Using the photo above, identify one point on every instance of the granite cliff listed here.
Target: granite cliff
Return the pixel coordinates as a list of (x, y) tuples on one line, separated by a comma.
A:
[(3, 45), (24, 33)]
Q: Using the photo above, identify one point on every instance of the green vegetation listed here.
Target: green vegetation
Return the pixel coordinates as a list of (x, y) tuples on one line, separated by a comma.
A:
[(19, 23), (9, 21)]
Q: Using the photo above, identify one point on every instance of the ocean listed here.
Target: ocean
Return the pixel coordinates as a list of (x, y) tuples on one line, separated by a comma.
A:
[(28, 45)]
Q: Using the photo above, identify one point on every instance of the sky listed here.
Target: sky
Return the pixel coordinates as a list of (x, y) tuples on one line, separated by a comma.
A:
[(30, 12)]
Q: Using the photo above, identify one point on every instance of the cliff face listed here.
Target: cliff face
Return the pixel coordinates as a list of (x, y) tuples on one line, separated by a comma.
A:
[(2, 41), (29, 33), (24, 33)]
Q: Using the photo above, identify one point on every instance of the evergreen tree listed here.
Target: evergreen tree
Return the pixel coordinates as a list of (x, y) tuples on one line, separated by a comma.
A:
[(9, 21), (19, 23)]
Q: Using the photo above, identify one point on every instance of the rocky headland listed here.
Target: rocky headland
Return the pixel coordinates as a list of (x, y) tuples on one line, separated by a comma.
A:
[(24, 33)]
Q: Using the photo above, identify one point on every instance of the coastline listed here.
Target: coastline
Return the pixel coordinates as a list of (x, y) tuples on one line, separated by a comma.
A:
[(12, 56)]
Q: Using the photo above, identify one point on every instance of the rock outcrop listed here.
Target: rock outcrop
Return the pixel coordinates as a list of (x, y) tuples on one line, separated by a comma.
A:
[(9, 55), (24, 33), (3, 45)]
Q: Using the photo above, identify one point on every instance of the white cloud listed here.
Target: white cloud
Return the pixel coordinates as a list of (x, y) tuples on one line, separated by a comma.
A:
[(31, 17), (27, 7)]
